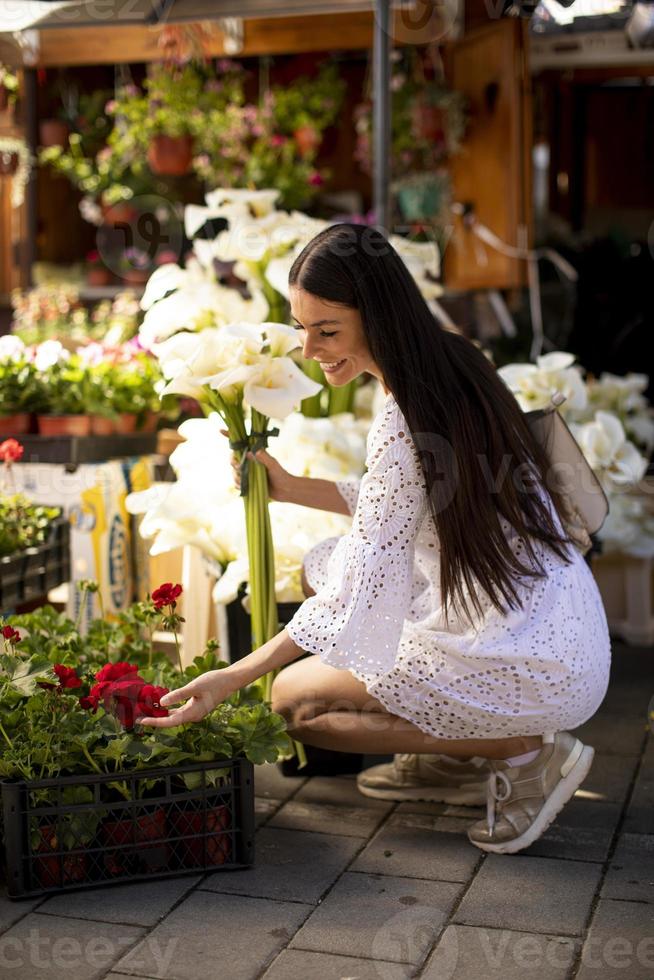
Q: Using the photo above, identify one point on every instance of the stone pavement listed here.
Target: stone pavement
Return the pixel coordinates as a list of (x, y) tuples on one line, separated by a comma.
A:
[(348, 887)]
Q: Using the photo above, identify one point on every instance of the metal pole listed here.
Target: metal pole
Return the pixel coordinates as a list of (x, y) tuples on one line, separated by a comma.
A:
[(31, 130), (381, 113)]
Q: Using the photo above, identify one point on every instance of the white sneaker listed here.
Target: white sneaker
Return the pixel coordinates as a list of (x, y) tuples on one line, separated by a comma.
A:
[(432, 778), (524, 800)]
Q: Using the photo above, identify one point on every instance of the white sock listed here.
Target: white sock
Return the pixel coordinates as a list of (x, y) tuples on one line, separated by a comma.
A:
[(522, 760)]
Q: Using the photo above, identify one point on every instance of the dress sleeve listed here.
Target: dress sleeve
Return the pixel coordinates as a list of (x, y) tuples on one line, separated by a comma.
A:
[(355, 621), (349, 491)]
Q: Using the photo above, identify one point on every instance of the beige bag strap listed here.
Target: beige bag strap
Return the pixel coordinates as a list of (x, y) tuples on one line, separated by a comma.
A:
[(570, 473)]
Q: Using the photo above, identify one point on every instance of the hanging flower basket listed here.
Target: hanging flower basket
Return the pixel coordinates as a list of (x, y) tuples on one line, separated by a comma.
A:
[(8, 163), (53, 132), (170, 156)]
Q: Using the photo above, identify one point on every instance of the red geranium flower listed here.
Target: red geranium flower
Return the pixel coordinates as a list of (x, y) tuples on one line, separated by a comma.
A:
[(113, 672), (10, 634), (166, 595), (67, 677), (127, 697), (10, 451)]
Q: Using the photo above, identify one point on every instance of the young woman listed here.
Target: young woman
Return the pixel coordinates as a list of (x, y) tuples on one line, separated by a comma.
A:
[(455, 622)]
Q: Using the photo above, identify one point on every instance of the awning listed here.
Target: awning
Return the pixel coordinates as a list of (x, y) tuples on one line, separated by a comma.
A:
[(17, 15)]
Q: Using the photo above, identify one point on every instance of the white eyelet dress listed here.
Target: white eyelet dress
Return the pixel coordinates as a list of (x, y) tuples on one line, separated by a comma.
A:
[(378, 613)]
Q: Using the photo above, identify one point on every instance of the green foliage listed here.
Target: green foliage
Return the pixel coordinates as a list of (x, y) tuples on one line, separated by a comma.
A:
[(22, 523), (45, 732)]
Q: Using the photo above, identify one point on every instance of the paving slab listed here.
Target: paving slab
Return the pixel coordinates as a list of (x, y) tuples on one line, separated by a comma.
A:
[(138, 904), (269, 782), (620, 943), (469, 813), (583, 831), (464, 952), (340, 791), (298, 964), (609, 779), (530, 894), (215, 935), (264, 809), (379, 917), (290, 865), (11, 912), (57, 948), (613, 734), (630, 874), (639, 818), (408, 846), (325, 818)]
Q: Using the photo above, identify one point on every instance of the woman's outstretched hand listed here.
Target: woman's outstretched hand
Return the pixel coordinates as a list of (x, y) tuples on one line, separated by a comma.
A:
[(202, 695), (280, 480)]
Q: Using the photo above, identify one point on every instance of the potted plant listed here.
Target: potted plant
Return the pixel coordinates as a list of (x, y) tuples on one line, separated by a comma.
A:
[(97, 273), (15, 162), (63, 389), (17, 383), (8, 87), (164, 800)]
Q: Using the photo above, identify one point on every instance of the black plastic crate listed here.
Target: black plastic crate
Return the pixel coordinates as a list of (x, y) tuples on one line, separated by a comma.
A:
[(30, 574), (73, 450), (163, 830)]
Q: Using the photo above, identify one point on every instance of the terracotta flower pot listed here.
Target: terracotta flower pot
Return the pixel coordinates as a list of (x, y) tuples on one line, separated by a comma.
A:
[(8, 164), (64, 425), (170, 156), (201, 843), (125, 423), (121, 213), (101, 426), (138, 277), (149, 422), (98, 276), (135, 845), (308, 139), (14, 425), (53, 132), (51, 869), (429, 121)]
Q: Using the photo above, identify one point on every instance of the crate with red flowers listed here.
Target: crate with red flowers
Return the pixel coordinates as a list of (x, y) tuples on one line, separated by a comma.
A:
[(81, 831), (102, 782)]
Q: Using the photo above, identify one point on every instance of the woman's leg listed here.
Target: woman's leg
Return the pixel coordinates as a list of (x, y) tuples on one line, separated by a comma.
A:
[(331, 709)]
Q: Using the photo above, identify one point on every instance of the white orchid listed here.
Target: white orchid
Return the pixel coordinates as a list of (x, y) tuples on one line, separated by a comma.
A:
[(535, 384), (278, 386), (49, 353), (197, 301), (614, 459), (422, 259), (12, 348), (629, 527)]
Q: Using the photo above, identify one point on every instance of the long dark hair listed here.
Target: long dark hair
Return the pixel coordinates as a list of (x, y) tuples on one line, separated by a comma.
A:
[(479, 458)]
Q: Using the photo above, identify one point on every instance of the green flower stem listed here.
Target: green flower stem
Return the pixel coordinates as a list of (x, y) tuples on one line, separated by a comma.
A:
[(117, 786), (5, 736), (341, 399), (179, 654), (311, 407)]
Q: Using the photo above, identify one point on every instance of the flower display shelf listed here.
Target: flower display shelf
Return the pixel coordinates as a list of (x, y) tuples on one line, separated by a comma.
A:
[(163, 830), (30, 574), (73, 450)]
